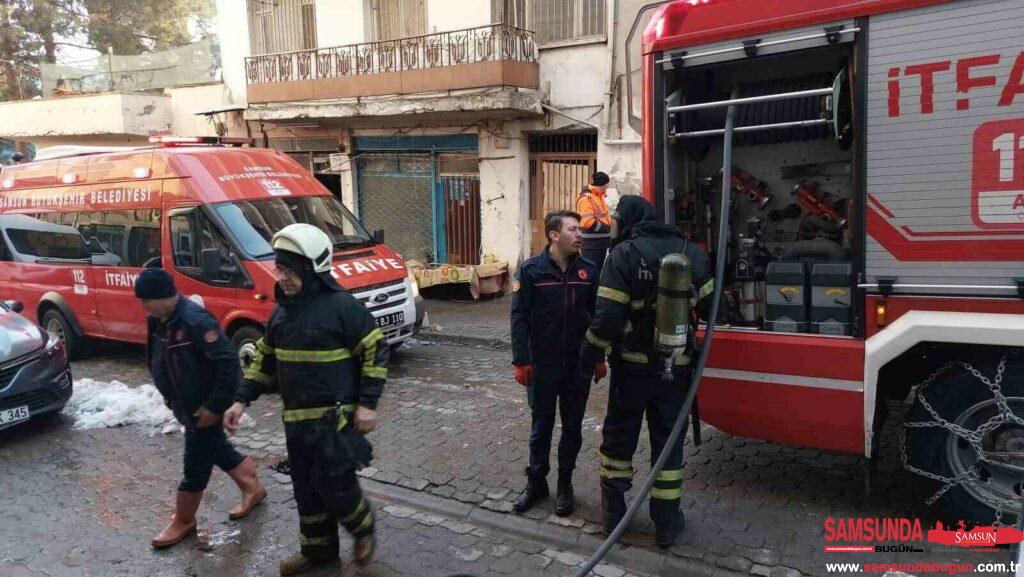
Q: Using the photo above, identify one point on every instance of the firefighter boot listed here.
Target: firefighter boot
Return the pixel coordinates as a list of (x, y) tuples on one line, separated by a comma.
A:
[(668, 521), (366, 544), (294, 564), (565, 499), (183, 522), (613, 503), (253, 493), (536, 489)]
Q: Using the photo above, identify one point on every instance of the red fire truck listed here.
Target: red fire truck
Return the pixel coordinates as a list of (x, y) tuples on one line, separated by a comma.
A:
[(876, 252), (77, 227)]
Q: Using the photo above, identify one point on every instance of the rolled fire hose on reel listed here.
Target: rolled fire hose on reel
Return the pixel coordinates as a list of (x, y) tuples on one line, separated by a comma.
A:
[(691, 395)]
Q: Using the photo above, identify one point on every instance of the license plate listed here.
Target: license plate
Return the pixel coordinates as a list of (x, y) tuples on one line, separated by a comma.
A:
[(9, 416), (391, 319)]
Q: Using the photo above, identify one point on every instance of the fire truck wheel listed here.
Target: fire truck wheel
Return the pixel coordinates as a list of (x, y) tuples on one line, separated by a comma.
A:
[(55, 322), (962, 399), (244, 338)]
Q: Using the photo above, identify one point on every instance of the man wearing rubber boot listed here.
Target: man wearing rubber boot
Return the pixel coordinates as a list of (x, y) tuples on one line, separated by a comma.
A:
[(196, 370), (329, 361), (624, 321), (552, 302)]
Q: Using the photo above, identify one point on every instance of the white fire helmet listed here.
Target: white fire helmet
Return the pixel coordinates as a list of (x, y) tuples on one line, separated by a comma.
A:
[(308, 241)]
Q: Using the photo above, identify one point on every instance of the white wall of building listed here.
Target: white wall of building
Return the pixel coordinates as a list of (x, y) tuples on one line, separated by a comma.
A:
[(233, 32), (188, 100), (86, 115), (340, 22), (504, 195), (445, 15)]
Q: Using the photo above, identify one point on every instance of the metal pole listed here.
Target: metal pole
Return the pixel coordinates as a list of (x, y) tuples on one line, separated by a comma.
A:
[(751, 100), (754, 128), (573, 118)]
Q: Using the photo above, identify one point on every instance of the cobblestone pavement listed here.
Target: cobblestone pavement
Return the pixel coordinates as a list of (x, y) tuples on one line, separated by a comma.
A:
[(484, 321), (449, 454)]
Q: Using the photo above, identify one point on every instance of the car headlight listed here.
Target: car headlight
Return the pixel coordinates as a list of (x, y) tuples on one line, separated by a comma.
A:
[(53, 345), (413, 283)]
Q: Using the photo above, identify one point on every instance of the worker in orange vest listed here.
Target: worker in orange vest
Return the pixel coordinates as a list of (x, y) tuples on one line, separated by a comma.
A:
[(596, 219)]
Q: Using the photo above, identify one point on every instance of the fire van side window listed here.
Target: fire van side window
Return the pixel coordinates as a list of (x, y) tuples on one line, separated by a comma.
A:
[(32, 237)]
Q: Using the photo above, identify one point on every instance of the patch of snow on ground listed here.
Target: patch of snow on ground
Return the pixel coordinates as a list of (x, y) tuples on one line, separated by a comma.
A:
[(101, 404)]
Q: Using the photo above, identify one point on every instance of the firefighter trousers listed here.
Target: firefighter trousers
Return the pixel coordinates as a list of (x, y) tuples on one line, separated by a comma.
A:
[(556, 389), (323, 501), (633, 394)]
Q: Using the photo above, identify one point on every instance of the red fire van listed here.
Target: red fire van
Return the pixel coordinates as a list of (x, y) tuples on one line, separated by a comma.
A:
[(77, 227)]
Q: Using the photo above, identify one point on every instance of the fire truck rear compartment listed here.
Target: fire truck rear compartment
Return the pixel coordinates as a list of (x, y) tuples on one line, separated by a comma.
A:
[(790, 260)]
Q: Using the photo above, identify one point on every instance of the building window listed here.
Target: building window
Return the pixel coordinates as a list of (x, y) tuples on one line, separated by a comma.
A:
[(566, 20), (392, 19), (510, 12), (281, 25)]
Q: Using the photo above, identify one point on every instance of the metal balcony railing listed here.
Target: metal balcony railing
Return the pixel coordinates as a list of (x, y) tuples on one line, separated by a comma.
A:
[(481, 44)]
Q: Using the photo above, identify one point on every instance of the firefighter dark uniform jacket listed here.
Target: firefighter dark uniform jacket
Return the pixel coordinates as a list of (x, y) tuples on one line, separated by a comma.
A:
[(180, 351), (594, 218), (551, 310), (624, 316), (321, 348)]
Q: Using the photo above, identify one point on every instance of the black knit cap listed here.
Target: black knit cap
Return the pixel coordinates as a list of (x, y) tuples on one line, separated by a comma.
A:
[(599, 179), (154, 283)]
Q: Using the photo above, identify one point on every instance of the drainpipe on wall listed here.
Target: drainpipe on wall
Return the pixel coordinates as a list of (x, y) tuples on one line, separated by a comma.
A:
[(613, 9)]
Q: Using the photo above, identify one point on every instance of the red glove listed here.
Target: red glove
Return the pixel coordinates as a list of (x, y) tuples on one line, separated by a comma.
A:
[(524, 373), (600, 370)]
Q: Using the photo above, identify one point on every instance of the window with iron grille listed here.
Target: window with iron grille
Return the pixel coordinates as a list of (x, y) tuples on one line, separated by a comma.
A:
[(510, 12), (393, 19), (564, 20), (281, 25)]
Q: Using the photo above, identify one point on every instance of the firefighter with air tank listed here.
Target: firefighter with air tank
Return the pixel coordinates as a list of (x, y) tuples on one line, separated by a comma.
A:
[(650, 279)]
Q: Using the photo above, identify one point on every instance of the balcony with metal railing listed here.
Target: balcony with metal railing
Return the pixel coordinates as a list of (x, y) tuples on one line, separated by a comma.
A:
[(486, 56)]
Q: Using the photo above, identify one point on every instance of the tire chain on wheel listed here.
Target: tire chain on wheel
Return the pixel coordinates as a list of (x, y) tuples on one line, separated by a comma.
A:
[(974, 438)]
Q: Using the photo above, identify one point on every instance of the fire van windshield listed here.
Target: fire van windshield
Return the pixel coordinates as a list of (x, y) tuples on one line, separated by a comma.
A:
[(254, 222)]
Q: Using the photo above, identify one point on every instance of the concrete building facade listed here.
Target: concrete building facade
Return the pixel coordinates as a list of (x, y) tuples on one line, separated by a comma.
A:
[(513, 102)]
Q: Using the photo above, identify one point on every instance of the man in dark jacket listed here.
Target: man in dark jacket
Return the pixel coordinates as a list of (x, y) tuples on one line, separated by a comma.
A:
[(196, 370), (552, 301), (624, 321), (326, 355)]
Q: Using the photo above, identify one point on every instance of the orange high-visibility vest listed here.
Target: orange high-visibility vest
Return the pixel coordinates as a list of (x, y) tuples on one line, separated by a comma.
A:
[(594, 216)]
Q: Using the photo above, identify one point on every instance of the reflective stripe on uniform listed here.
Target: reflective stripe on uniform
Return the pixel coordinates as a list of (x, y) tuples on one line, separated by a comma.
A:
[(304, 356), (371, 338), (607, 473), (314, 519), (706, 289), (666, 494), (634, 357), (375, 372), (355, 514), (264, 348), (597, 341), (636, 304), (315, 541), (313, 413), (597, 215), (616, 464), (670, 475), (613, 294), (252, 374)]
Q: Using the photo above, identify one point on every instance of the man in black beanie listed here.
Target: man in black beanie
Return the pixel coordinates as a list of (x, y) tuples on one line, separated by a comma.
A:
[(196, 370)]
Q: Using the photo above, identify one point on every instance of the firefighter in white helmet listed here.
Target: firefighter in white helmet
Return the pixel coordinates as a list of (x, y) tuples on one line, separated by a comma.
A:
[(329, 361)]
